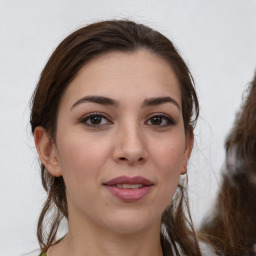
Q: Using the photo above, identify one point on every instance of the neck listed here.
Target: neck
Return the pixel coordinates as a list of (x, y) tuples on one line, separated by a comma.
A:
[(86, 238), (114, 244)]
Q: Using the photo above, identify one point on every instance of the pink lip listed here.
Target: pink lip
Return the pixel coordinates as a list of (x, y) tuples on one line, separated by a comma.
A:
[(129, 195)]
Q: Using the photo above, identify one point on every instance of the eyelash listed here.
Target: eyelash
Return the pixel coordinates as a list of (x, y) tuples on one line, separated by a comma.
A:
[(169, 121), (85, 119)]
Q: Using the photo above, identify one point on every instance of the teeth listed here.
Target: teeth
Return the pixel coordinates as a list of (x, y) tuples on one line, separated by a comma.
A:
[(129, 186)]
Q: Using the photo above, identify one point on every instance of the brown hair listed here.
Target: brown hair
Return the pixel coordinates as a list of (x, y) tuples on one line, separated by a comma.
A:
[(73, 53), (232, 228)]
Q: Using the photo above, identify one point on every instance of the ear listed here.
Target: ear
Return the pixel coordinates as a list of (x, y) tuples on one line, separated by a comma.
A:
[(187, 153), (47, 151)]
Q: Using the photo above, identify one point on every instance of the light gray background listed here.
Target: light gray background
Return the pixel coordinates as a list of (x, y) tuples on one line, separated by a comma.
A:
[(217, 38)]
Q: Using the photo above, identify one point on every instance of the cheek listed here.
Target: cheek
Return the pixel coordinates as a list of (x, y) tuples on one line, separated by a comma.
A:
[(169, 159), (81, 157), (169, 156), (81, 161)]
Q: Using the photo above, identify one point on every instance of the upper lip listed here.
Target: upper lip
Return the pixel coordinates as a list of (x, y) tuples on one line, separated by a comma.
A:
[(129, 180)]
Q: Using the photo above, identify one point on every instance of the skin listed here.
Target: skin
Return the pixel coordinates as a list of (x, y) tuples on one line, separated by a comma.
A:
[(127, 141)]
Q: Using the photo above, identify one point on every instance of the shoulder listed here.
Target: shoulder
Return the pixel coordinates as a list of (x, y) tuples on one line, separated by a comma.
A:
[(33, 253)]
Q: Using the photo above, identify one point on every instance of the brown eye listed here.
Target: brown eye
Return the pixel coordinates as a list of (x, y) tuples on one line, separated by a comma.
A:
[(160, 121), (95, 120), (156, 120)]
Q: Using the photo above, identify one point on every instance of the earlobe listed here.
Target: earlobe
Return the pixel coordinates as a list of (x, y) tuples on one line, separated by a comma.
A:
[(47, 151), (187, 153)]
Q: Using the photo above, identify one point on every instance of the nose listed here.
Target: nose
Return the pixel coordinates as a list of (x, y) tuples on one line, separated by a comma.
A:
[(130, 146)]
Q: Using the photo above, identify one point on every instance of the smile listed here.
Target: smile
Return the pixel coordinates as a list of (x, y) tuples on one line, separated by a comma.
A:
[(129, 186), (129, 189)]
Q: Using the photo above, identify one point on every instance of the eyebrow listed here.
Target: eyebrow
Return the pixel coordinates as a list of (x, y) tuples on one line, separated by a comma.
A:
[(111, 102), (97, 99), (159, 101)]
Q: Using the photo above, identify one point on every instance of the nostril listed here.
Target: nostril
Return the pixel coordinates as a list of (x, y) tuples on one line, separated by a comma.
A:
[(124, 159), (131, 160)]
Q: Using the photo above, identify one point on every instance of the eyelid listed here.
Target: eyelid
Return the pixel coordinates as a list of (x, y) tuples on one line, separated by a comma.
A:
[(170, 120), (85, 117)]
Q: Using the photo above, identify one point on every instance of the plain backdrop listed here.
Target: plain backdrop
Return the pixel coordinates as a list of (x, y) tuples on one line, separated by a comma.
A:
[(217, 38)]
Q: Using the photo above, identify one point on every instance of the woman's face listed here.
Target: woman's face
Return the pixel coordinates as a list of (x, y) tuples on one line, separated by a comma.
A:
[(120, 141)]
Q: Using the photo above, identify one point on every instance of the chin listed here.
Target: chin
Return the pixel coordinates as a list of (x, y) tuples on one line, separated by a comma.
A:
[(132, 222)]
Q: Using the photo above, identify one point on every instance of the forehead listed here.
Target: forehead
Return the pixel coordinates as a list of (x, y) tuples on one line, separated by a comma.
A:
[(120, 75)]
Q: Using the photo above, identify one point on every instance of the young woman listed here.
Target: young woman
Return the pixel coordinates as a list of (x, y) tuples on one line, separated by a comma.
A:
[(113, 117), (232, 228)]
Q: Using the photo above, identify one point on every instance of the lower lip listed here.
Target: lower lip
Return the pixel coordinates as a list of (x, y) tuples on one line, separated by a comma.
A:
[(129, 195)]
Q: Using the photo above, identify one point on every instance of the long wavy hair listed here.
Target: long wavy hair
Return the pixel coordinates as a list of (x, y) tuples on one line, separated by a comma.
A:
[(74, 52), (232, 227)]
